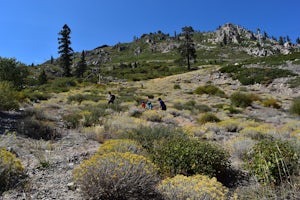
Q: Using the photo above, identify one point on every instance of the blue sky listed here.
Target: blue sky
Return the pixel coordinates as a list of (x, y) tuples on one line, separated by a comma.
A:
[(29, 28)]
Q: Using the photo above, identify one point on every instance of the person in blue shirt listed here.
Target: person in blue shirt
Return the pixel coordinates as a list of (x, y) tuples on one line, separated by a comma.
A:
[(149, 105)]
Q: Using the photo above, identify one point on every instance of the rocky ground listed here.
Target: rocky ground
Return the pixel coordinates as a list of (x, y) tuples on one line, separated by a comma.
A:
[(48, 165)]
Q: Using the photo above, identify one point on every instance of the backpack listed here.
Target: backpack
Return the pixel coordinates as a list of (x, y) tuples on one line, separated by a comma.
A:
[(112, 97)]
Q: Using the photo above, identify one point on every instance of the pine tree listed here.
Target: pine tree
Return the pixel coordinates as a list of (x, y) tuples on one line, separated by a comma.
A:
[(65, 50), (187, 48), (82, 66), (298, 40), (281, 40)]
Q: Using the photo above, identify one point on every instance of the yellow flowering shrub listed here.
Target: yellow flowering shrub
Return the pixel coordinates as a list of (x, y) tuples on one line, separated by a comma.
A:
[(152, 115), (96, 132), (118, 124), (117, 175), (194, 131), (193, 187), (121, 145), (11, 169), (271, 102), (260, 131), (231, 125)]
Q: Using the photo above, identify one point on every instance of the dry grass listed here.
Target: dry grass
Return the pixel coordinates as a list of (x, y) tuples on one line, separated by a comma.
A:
[(236, 132)]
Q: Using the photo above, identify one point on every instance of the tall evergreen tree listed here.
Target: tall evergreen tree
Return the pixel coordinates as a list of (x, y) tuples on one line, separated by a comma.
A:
[(281, 40), (82, 66), (51, 60), (187, 48), (298, 40), (65, 50)]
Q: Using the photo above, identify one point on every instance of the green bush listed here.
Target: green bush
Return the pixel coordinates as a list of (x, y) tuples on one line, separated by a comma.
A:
[(272, 161), (295, 107), (208, 117), (8, 96), (80, 97), (210, 89), (122, 146), (241, 99), (72, 120), (259, 192), (117, 176), (37, 129), (190, 156), (252, 75), (293, 83), (36, 96), (13, 71), (176, 86), (233, 110), (147, 136), (192, 187), (11, 170), (59, 85), (271, 103)]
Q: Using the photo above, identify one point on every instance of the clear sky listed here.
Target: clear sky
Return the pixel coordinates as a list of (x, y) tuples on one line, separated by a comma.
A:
[(29, 28)]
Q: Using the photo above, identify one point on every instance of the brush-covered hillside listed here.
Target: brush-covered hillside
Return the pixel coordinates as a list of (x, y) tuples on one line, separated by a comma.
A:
[(231, 129)]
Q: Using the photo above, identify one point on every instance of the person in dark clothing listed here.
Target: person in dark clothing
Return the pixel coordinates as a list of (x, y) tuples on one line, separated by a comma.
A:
[(111, 98), (162, 104)]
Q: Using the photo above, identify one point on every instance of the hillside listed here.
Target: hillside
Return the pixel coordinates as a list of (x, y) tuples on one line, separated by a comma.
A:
[(241, 91), (156, 54)]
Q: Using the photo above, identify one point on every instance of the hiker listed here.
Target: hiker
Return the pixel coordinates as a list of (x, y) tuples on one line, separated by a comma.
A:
[(149, 105), (162, 104), (143, 104), (111, 98)]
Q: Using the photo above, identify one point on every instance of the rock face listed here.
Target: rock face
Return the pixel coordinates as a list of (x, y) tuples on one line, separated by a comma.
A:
[(253, 43), (233, 34)]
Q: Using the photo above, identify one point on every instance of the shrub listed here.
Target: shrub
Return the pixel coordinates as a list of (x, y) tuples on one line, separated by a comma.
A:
[(248, 76), (117, 176), (176, 86), (258, 192), (293, 83), (241, 99), (192, 106), (62, 84), (295, 107), (152, 115), (192, 187), (233, 110), (11, 170), (210, 89), (147, 136), (8, 96), (80, 97), (272, 161), (37, 129), (208, 117), (72, 120), (271, 103), (189, 157), (122, 146)]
